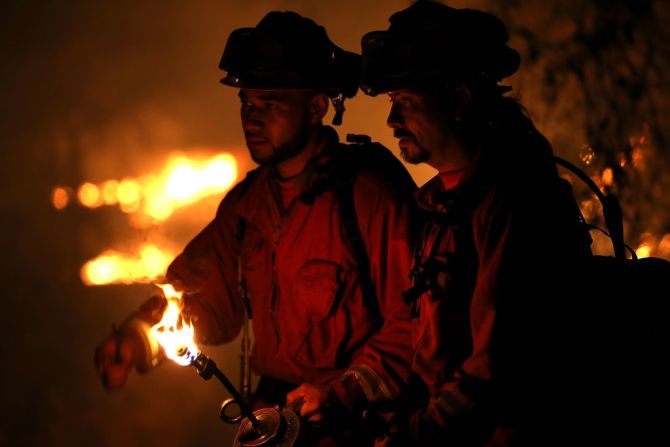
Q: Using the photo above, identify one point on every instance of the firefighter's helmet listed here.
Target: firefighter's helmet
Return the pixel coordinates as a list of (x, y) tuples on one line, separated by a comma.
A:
[(288, 51), (432, 43)]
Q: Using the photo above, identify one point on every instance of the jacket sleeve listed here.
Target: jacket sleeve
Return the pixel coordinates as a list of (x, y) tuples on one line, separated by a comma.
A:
[(385, 219), (469, 391), (206, 271), (510, 274)]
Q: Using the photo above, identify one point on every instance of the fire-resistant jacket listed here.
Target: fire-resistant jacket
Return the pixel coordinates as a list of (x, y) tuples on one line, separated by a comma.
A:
[(310, 321), (477, 330)]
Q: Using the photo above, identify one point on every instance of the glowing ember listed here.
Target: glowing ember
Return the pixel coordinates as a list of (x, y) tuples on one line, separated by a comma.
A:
[(60, 197), (182, 182), (587, 154), (110, 190), (114, 268), (173, 332), (608, 177), (643, 251), (128, 194), (89, 195)]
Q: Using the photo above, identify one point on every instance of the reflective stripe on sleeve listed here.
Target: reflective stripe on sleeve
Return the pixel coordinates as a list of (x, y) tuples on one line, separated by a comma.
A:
[(373, 386), (454, 403)]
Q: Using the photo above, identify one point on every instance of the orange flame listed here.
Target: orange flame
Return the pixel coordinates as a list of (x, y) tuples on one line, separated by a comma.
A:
[(113, 268), (643, 251), (182, 182), (89, 195), (173, 332), (60, 197)]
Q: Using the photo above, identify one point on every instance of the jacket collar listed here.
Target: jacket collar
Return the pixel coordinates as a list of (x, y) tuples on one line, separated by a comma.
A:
[(446, 191), (259, 205)]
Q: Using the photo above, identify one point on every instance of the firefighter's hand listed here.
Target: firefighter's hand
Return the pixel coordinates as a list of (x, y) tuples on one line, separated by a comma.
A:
[(420, 429), (314, 401), (394, 430), (114, 358)]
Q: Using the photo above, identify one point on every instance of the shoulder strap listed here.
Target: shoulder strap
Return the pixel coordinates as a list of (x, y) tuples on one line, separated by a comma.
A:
[(239, 236), (350, 229), (244, 186), (344, 191)]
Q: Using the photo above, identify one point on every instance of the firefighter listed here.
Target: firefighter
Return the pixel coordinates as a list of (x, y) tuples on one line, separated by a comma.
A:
[(321, 230), (502, 230)]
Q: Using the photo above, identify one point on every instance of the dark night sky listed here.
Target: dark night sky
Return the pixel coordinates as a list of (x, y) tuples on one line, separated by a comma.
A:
[(97, 90)]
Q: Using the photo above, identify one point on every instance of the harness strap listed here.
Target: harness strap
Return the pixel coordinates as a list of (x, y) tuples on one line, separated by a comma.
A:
[(344, 190)]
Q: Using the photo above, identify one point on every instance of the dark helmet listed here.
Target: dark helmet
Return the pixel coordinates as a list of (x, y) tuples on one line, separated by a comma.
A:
[(431, 43), (288, 51)]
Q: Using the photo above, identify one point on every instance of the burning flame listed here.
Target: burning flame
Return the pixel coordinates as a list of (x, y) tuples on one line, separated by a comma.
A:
[(182, 182), (173, 332), (112, 267), (148, 200)]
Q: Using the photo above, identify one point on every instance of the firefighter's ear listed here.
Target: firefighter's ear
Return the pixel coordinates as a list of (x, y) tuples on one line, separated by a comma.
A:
[(462, 101), (318, 108)]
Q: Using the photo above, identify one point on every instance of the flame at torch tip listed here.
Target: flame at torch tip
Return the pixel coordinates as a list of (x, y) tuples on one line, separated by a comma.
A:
[(175, 335), (169, 291)]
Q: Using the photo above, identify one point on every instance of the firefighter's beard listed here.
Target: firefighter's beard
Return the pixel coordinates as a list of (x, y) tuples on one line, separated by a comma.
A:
[(410, 150), (268, 153)]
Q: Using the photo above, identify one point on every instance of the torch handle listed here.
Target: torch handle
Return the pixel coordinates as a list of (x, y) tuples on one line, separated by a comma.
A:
[(206, 367)]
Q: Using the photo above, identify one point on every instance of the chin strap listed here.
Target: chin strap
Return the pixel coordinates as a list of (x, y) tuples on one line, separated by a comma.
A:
[(338, 104)]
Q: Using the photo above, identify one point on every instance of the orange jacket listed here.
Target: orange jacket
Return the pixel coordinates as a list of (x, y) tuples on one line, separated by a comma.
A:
[(309, 320), (478, 330)]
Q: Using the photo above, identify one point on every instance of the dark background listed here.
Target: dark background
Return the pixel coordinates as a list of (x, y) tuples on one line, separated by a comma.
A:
[(98, 90)]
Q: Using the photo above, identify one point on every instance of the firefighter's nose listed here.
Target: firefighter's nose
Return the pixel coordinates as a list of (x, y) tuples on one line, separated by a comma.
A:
[(395, 119)]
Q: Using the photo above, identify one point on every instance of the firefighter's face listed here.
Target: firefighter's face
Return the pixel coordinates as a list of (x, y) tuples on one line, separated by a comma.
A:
[(422, 126), (276, 123)]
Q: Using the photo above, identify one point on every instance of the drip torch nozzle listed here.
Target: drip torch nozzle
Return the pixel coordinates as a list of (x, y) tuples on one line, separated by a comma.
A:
[(207, 368)]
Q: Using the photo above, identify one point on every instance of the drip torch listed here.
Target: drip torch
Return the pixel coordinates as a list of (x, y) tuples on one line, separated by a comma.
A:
[(270, 427), (274, 427)]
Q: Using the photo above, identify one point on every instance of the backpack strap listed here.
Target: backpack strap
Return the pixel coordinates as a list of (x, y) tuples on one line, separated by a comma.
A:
[(344, 191), (239, 237), (245, 348), (343, 187)]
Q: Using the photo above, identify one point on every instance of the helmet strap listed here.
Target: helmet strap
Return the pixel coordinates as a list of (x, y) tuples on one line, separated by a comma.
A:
[(338, 105)]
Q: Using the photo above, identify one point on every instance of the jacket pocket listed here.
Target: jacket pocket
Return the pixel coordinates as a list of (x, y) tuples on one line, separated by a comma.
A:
[(317, 288)]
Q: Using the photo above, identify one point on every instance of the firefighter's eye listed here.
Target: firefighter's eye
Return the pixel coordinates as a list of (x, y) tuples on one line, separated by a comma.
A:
[(400, 99), (270, 106)]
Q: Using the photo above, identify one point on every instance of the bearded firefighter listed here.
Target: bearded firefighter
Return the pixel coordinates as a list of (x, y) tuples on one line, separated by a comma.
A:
[(488, 280)]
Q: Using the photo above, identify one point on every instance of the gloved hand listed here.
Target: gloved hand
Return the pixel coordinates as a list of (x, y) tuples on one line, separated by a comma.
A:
[(114, 358), (420, 429), (125, 347), (423, 426)]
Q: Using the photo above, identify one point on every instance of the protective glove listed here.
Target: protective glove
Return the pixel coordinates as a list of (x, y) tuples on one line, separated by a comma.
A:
[(422, 429), (130, 346)]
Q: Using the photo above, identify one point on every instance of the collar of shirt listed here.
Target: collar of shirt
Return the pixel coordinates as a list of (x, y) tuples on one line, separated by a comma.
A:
[(438, 193), (265, 194)]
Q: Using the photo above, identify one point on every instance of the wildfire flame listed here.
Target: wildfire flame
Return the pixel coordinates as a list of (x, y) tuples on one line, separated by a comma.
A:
[(173, 332), (156, 197), (115, 268), (148, 200)]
